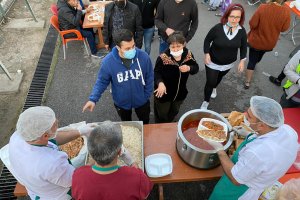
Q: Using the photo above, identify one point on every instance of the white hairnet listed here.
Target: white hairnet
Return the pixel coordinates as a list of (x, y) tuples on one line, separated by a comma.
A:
[(35, 121), (267, 110)]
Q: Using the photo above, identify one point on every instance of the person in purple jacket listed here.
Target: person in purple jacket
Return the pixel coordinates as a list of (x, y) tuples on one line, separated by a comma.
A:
[(130, 72)]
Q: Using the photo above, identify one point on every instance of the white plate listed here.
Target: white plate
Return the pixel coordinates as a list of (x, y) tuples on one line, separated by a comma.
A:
[(158, 165), (201, 127)]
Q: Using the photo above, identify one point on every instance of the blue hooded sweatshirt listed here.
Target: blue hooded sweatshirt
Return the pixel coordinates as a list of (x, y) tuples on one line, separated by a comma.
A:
[(131, 88)]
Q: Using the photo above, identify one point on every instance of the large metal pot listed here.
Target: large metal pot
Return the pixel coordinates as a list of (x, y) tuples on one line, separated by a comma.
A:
[(192, 155)]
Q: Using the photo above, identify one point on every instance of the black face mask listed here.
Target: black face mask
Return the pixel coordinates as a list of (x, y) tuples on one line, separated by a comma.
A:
[(120, 4)]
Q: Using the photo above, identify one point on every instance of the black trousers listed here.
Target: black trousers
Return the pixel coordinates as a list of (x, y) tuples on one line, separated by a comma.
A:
[(142, 113), (213, 78), (288, 103), (255, 57), (167, 111), (281, 76)]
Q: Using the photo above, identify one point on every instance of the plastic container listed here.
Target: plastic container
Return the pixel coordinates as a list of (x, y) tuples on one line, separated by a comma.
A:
[(297, 161), (201, 127), (158, 165)]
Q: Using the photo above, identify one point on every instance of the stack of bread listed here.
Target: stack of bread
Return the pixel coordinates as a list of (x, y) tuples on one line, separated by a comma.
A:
[(237, 119)]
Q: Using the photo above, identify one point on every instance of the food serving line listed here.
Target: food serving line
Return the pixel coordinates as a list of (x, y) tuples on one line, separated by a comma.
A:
[(163, 138)]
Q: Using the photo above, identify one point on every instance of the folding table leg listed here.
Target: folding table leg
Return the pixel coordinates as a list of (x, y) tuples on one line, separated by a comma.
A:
[(160, 191), (101, 41)]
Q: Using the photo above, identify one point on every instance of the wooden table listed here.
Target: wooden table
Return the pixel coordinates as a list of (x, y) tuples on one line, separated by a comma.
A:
[(96, 24), (161, 138), (294, 23)]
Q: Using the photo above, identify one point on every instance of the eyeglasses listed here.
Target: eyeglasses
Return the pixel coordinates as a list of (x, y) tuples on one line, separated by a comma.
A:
[(235, 17)]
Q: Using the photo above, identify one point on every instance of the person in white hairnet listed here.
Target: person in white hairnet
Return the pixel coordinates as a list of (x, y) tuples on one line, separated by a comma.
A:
[(265, 155), (36, 161)]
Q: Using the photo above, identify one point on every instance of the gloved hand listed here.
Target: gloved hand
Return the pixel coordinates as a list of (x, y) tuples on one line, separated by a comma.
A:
[(240, 130), (126, 157), (86, 129), (216, 145)]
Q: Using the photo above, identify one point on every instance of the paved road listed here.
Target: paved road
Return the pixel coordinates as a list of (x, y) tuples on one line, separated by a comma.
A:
[(74, 78)]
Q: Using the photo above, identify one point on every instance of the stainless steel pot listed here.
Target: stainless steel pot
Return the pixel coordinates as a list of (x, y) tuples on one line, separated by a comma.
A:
[(192, 155)]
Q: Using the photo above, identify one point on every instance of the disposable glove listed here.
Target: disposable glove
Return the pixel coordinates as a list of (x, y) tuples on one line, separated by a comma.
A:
[(126, 157), (86, 129), (216, 145), (240, 130)]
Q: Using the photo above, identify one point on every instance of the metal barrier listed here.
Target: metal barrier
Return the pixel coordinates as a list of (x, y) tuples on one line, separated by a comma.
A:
[(4, 9)]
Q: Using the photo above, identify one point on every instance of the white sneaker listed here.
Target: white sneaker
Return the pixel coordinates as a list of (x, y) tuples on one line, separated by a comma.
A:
[(204, 105), (214, 93)]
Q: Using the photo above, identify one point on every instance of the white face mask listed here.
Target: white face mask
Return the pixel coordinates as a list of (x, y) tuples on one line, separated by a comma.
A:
[(247, 123), (176, 53)]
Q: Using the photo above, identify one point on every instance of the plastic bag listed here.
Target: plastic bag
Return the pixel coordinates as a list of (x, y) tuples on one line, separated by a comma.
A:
[(79, 160)]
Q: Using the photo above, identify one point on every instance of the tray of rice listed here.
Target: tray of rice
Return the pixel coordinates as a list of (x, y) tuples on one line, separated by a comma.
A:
[(132, 140)]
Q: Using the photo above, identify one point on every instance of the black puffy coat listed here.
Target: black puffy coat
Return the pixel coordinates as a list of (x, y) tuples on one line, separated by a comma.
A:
[(167, 71), (132, 21)]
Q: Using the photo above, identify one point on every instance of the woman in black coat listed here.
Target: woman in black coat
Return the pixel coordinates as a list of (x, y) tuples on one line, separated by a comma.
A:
[(171, 73)]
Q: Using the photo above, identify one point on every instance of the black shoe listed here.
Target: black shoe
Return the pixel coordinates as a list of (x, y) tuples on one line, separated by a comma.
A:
[(98, 55), (275, 80), (212, 9), (246, 85)]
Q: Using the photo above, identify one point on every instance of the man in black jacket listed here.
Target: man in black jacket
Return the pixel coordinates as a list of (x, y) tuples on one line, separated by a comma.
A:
[(69, 16), (122, 14), (148, 9), (176, 15)]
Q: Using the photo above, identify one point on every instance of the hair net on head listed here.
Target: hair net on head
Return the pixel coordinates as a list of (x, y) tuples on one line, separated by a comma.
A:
[(267, 110), (35, 121)]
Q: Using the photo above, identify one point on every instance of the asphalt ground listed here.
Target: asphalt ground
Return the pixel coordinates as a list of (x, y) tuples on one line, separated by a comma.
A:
[(73, 80)]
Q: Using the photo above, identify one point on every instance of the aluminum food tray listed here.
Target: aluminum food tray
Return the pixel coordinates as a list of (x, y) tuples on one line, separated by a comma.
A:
[(138, 125)]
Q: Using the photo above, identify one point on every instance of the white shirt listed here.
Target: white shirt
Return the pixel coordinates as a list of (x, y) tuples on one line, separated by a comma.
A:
[(230, 37), (44, 171), (265, 160)]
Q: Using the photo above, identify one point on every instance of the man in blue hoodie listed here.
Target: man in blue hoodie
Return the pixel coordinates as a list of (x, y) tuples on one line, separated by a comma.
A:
[(130, 72)]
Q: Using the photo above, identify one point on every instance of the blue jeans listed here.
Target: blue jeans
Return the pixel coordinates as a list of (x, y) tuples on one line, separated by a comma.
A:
[(162, 46), (148, 34), (88, 33)]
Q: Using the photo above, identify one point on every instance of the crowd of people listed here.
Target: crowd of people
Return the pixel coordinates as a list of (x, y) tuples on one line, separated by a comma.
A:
[(270, 146)]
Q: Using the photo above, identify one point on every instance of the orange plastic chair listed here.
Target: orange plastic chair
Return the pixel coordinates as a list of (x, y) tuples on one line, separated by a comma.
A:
[(54, 22), (53, 9)]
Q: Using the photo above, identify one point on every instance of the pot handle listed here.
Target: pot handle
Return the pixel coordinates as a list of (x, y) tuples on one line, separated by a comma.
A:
[(230, 140), (184, 147)]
